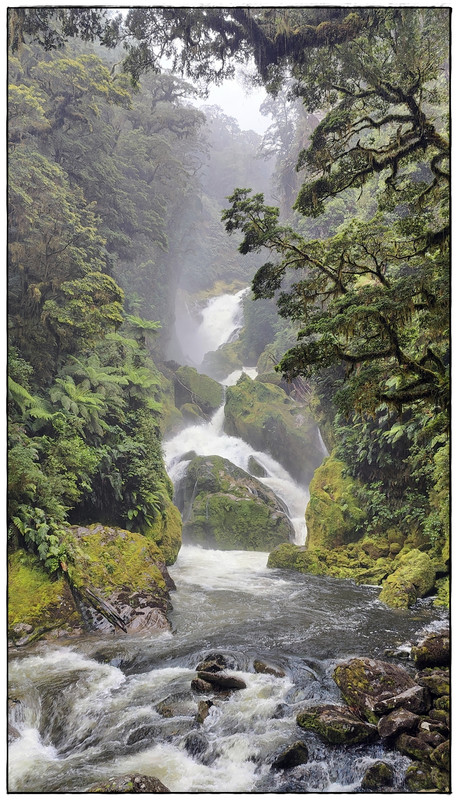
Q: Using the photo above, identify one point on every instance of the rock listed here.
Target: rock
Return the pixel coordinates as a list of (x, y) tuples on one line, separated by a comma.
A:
[(413, 577), (130, 784), (365, 682), (192, 413), (266, 669), (292, 556), (119, 579), (413, 746), (226, 508), (441, 755), (333, 512), (377, 776), (203, 710), (221, 680), (441, 780), (433, 650), (440, 715), (435, 679), (220, 363), (293, 756), (38, 604), (442, 703), (415, 699), (419, 779), (196, 389), (195, 743), (255, 468), (165, 532), (397, 722), (264, 416), (336, 724), (375, 548), (203, 687), (213, 663), (433, 726)]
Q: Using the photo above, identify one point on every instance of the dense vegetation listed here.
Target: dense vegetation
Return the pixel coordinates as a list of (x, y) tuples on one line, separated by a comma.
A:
[(103, 199)]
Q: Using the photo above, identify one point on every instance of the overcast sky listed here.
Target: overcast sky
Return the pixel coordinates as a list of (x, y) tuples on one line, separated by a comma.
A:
[(236, 102)]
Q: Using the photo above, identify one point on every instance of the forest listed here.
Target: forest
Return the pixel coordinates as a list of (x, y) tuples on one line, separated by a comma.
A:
[(228, 401)]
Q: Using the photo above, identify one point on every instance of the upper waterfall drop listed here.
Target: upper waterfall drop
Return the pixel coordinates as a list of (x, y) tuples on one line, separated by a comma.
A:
[(220, 320)]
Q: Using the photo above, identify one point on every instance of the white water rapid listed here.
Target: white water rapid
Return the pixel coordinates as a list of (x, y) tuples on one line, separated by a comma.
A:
[(105, 706)]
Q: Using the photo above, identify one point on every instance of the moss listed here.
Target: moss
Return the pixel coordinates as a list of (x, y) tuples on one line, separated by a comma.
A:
[(419, 779), (110, 558), (333, 514), (171, 419), (192, 387), (336, 725), (442, 587), (413, 577), (166, 533), (36, 599), (191, 413), (377, 775), (220, 363), (263, 415)]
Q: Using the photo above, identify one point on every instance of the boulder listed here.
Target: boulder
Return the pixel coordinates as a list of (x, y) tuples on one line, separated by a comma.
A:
[(267, 669), (413, 577), (333, 512), (226, 508), (119, 579), (201, 686), (264, 416), (378, 775), (336, 724), (294, 755), (435, 679), (193, 388), (220, 363), (419, 779), (441, 755), (165, 532), (221, 680), (415, 699), (397, 722), (413, 746), (203, 710), (433, 650), (130, 784), (192, 413), (365, 682)]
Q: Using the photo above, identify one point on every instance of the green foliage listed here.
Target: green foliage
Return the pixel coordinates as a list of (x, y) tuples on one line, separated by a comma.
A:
[(41, 535)]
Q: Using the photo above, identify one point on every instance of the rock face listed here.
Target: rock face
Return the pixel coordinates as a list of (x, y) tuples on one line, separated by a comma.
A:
[(336, 724), (130, 784), (165, 532), (366, 682), (199, 390), (226, 508), (263, 415), (413, 577), (332, 512)]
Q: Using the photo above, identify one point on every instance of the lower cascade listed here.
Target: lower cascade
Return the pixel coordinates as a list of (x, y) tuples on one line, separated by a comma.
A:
[(213, 706)]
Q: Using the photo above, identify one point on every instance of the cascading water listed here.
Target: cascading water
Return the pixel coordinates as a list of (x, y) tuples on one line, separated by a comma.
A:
[(113, 705)]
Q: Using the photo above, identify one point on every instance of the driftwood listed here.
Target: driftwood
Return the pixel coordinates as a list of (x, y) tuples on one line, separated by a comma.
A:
[(92, 598)]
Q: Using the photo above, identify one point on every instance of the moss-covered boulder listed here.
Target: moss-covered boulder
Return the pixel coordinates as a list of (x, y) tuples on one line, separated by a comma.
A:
[(220, 363), (130, 784), (165, 532), (118, 578), (378, 775), (192, 413), (200, 390), (226, 508), (38, 604), (413, 577), (265, 417), (333, 513), (336, 724), (291, 556), (433, 650), (366, 682)]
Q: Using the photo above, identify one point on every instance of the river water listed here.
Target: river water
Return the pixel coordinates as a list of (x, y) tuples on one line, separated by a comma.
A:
[(105, 706)]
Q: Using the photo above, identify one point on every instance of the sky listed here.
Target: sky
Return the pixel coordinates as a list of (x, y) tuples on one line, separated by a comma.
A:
[(233, 98)]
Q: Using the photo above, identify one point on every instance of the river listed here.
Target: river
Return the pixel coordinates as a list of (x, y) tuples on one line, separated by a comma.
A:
[(99, 706)]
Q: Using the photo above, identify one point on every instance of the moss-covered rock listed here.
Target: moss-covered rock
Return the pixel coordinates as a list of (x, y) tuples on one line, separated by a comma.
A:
[(38, 603), (200, 390), (264, 416), (413, 577), (336, 724), (333, 512), (419, 779), (433, 650), (442, 587), (226, 508), (218, 364), (192, 413), (130, 784), (377, 776), (364, 682), (291, 556), (118, 578), (166, 533)]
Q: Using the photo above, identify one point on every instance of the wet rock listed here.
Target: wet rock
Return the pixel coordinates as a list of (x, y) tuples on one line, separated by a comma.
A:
[(413, 577), (433, 738), (415, 699), (13, 733), (433, 726), (221, 680), (442, 703), (435, 679), (441, 755), (336, 724), (203, 687), (195, 744), (440, 715), (441, 780), (225, 507), (433, 650), (397, 722), (203, 710), (198, 390), (293, 756), (213, 663), (377, 776), (419, 778), (365, 682), (255, 468), (266, 669), (143, 733), (130, 784), (413, 746)]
